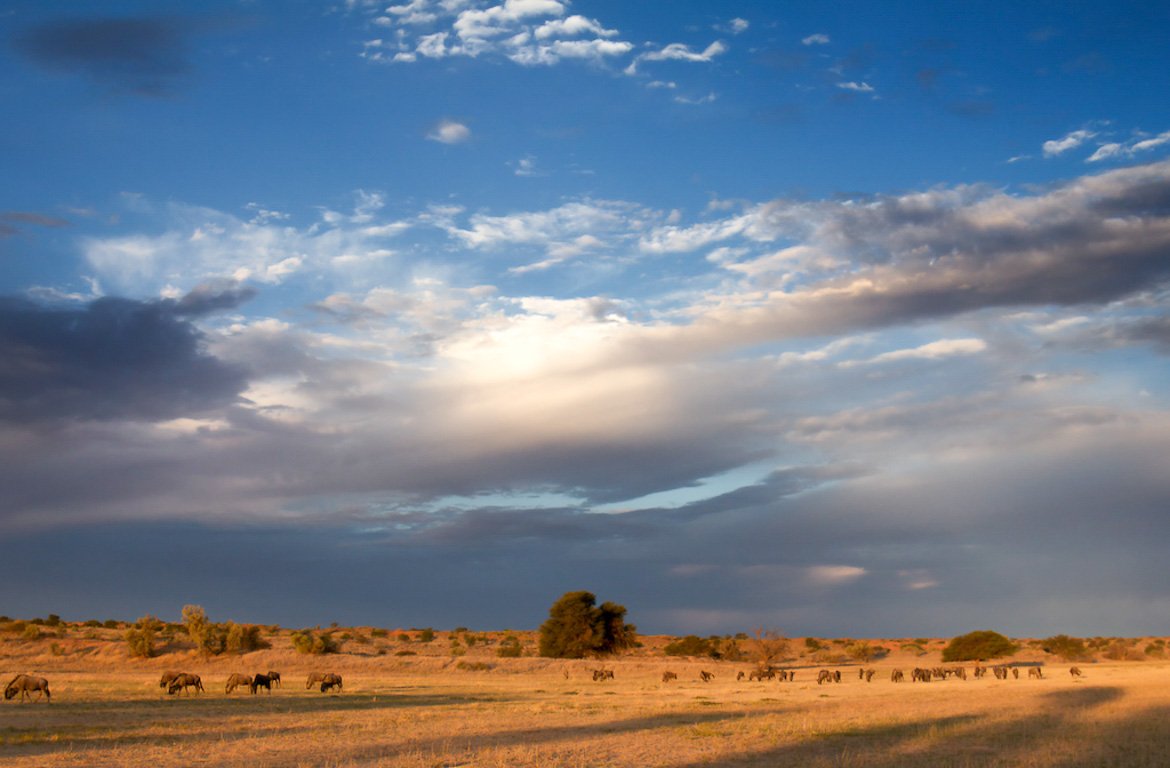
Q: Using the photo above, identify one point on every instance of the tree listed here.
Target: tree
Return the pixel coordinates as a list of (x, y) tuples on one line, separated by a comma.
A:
[(767, 646), (977, 646), (577, 628), (140, 637)]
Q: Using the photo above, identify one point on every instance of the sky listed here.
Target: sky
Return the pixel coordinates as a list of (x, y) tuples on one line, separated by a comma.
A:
[(834, 319)]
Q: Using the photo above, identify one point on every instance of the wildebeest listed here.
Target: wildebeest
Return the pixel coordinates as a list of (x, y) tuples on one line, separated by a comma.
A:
[(739, 675), (824, 676), (1036, 673), (897, 676), (919, 675), (1016, 672), (237, 681), (602, 674), (274, 678), (960, 673), (23, 684), (1075, 671), (706, 676), (869, 673), (330, 680), (668, 676), (980, 671), (184, 681), (167, 677), (262, 681), (1000, 673)]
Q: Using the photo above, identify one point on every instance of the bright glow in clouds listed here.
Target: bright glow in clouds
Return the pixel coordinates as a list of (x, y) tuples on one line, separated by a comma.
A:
[(794, 322)]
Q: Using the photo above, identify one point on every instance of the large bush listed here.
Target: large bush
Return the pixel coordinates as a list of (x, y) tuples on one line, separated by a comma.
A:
[(1067, 648), (691, 645), (140, 637), (576, 627), (977, 646)]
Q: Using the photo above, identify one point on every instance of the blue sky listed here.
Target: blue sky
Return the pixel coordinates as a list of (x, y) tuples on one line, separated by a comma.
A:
[(839, 320)]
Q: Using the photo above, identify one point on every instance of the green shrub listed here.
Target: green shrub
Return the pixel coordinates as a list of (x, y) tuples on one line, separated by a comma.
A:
[(473, 666), (317, 644), (426, 635), (1067, 648), (31, 632), (243, 638), (978, 646), (510, 648), (379, 633), (111, 623), (140, 637), (403, 637), (691, 645)]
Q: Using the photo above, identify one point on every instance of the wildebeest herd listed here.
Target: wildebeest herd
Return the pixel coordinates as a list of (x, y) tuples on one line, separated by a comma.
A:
[(178, 683), (184, 682)]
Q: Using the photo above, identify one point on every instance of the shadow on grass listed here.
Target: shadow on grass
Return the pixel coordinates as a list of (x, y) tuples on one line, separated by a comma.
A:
[(980, 740)]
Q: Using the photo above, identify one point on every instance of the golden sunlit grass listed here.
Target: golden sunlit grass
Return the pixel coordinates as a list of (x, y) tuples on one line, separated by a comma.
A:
[(425, 712)]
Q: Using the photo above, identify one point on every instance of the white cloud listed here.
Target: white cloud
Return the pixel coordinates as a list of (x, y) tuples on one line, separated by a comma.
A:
[(856, 87), (935, 350), (679, 52), (449, 132), (710, 97), (816, 39), (739, 25), (572, 26), (1128, 149), (1069, 142)]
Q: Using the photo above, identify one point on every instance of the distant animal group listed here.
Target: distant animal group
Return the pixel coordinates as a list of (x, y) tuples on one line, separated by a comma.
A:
[(918, 674), (176, 682)]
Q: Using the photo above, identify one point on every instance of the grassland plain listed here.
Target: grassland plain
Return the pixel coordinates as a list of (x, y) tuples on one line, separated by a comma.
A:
[(433, 709)]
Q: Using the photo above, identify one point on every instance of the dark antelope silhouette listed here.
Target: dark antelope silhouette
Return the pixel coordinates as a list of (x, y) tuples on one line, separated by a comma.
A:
[(183, 682)]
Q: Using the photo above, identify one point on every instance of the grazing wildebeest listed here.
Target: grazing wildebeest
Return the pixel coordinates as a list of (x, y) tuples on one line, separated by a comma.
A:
[(184, 681), (167, 677), (960, 673), (1075, 671), (331, 681), (762, 673), (262, 681), (1036, 673), (602, 674), (824, 676), (1016, 672), (980, 671), (869, 673), (897, 676), (920, 675), (274, 678), (1001, 673), (785, 675), (706, 676), (739, 676), (237, 681), (23, 684), (668, 676)]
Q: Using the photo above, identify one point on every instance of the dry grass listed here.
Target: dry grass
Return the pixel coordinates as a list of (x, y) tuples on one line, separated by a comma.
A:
[(423, 712)]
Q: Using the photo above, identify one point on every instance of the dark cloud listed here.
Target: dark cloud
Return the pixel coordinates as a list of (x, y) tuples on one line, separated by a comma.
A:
[(146, 56), (213, 297), (112, 359), (28, 217)]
